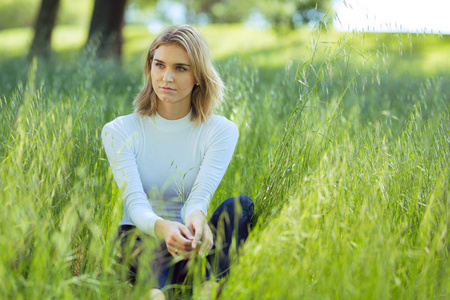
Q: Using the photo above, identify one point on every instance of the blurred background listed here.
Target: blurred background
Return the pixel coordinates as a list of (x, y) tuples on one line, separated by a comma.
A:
[(64, 25), (125, 27)]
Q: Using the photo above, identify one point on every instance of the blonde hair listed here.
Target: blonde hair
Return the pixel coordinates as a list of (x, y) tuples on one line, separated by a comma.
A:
[(206, 96)]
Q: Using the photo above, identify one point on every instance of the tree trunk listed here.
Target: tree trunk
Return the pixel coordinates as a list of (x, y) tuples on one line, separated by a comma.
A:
[(106, 27), (43, 28)]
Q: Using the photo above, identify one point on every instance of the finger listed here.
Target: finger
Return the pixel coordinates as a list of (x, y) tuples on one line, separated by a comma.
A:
[(208, 240), (198, 236), (178, 241), (186, 232), (184, 242), (190, 227), (172, 252)]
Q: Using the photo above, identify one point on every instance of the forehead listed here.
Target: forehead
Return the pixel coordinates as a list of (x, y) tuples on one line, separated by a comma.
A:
[(172, 54)]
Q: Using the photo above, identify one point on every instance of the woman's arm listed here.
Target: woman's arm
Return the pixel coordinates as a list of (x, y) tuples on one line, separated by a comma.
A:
[(119, 141), (220, 146)]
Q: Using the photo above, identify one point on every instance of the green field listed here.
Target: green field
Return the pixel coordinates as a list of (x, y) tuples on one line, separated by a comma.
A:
[(344, 147)]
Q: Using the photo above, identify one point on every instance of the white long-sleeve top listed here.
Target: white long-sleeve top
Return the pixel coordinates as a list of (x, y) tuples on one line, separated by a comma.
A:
[(166, 169)]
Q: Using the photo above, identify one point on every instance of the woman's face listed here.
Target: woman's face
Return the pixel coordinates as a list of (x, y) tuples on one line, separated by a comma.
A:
[(172, 75)]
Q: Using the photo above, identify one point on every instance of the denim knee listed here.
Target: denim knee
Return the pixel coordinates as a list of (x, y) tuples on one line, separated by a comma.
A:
[(247, 207)]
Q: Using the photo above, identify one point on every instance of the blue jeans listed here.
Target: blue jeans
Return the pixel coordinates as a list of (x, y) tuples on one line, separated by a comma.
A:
[(231, 219)]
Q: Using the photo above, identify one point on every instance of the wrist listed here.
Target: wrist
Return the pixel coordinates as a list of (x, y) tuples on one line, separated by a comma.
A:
[(160, 226), (197, 214)]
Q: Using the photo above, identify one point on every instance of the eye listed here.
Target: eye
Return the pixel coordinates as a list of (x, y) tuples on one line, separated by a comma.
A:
[(159, 65), (181, 69)]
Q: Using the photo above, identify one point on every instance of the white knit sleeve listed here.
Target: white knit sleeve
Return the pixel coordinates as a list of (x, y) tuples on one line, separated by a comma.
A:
[(119, 143), (219, 150)]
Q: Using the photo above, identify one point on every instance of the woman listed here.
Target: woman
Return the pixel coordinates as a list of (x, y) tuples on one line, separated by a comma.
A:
[(169, 156)]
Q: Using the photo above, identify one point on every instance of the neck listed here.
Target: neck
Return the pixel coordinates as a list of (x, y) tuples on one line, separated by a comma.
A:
[(172, 111)]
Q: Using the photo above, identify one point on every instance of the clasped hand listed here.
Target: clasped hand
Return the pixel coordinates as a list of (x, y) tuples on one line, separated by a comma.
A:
[(181, 240)]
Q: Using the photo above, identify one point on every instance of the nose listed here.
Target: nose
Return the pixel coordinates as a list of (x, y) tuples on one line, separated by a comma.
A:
[(168, 76)]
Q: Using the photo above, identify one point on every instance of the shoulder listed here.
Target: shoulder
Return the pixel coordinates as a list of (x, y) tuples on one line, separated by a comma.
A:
[(122, 125), (220, 128), (123, 122), (221, 123)]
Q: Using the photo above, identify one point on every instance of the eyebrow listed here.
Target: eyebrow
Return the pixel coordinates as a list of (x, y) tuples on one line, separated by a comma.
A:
[(178, 64)]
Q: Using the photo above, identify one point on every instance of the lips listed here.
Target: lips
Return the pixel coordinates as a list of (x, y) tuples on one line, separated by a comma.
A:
[(166, 88)]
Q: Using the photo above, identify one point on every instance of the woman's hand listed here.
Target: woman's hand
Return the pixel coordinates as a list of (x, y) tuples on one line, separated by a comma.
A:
[(197, 223), (177, 236)]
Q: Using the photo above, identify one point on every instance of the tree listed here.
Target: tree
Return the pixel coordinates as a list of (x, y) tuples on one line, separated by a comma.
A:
[(106, 27), (41, 45)]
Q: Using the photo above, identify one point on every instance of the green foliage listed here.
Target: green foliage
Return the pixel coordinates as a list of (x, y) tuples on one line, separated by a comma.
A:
[(231, 11), (23, 13), (345, 152), (17, 13), (75, 13), (290, 14)]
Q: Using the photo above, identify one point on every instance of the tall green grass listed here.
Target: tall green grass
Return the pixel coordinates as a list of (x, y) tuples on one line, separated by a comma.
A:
[(346, 154), (355, 202)]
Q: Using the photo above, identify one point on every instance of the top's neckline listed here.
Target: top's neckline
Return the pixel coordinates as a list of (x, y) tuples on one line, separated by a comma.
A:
[(173, 124)]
